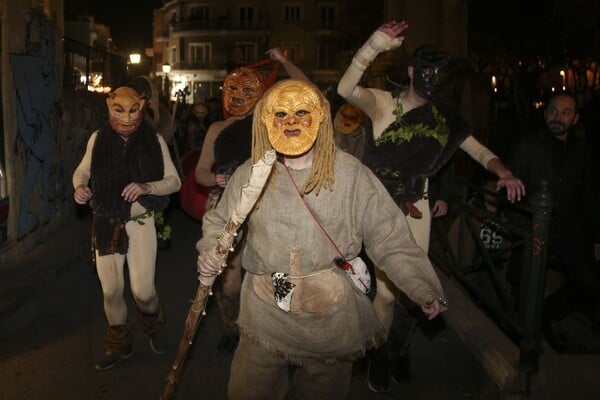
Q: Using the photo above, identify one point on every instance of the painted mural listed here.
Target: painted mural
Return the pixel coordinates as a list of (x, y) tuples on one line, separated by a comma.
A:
[(37, 81)]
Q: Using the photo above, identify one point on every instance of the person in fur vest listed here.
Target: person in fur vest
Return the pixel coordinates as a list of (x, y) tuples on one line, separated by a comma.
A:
[(126, 175)]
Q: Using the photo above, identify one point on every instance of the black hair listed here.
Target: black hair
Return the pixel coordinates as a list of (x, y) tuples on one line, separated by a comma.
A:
[(567, 93), (142, 86), (429, 54)]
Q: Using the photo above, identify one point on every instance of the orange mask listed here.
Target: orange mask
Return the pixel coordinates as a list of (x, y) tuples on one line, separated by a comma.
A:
[(348, 119), (125, 110), (241, 91)]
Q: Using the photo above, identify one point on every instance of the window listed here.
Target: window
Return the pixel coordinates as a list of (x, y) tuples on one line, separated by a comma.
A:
[(327, 14), (245, 52), (173, 56), (291, 12), (293, 51), (173, 19), (247, 15), (200, 53), (199, 13), (325, 57)]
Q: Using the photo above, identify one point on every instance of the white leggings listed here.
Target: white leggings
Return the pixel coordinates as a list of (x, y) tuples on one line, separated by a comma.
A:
[(141, 262), (386, 290)]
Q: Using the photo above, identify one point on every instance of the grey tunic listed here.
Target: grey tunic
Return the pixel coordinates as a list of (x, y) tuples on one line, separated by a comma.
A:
[(339, 322)]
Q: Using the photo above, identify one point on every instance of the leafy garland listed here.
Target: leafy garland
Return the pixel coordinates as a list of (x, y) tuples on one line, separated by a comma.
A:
[(406, 132), (163, 231)]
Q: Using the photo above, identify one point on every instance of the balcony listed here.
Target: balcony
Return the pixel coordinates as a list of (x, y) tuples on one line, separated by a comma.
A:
[(192, 65), (162, 35), (216, 24)]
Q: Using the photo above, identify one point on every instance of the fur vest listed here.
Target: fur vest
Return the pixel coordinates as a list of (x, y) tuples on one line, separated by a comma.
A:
[(415, 147), (233, 146), (115, 164)]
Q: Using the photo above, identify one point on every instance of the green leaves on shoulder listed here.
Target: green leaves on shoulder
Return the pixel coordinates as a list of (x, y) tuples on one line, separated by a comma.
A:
[(406, 132)]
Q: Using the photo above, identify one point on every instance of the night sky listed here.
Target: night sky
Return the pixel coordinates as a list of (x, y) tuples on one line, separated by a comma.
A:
[(130, 21)]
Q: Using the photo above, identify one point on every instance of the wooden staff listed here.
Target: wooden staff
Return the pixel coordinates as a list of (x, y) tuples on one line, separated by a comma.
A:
[(249, 194)]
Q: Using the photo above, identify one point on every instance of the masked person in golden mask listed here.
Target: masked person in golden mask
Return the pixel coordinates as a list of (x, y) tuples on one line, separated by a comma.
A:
[(227, 145), (132, 175), (298, 306)]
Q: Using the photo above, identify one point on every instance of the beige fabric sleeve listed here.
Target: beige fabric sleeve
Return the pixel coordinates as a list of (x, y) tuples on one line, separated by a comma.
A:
[(82, 174), (377, 43), (170, 182), (348, 86), (477, 151)]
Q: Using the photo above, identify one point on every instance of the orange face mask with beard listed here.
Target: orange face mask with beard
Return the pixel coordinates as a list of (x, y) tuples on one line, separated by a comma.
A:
[(242, 89), (125, 110), (348, 119)]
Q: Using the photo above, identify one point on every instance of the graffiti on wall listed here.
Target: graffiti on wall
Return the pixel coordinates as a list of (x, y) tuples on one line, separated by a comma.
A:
[(37, 81)]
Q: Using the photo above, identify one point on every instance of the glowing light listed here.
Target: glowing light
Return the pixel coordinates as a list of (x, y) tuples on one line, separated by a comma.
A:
[(135, 58)]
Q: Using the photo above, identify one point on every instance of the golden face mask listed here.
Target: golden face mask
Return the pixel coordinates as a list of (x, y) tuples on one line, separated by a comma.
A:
[(348, 119), (125, 107), (292, 114), (241, 91)]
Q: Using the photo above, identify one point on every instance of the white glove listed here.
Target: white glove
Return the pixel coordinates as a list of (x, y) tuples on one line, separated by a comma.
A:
[(377, 43)]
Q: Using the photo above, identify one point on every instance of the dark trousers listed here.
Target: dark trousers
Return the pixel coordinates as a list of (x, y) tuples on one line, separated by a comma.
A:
[(582, 284)]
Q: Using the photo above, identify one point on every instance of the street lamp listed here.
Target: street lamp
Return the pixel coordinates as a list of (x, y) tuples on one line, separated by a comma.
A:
[(134, 61), (135, 58)]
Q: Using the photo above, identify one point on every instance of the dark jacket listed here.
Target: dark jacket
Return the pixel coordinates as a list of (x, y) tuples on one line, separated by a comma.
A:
[(567, 168)]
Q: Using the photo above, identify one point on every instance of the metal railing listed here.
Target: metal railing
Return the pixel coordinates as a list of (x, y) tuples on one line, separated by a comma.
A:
[(508, 283)]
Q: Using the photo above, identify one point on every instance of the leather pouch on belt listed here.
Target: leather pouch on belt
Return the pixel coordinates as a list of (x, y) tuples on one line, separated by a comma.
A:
[(319, 292)]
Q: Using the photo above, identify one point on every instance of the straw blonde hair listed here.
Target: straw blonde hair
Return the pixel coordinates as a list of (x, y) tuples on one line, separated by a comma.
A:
[(322, 172)]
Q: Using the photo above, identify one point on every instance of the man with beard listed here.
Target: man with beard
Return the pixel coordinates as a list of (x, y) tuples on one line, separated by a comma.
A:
[(556, 156), (414, 136), (132, 175), (298, 308), (226, 146)]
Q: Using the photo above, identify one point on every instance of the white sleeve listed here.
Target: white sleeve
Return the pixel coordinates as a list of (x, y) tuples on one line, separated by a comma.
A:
[(82, 174), (171, 181), (477, 151)]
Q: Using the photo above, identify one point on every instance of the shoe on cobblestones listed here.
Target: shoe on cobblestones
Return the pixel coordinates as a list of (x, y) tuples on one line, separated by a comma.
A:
[(110, 360), (158, 344)]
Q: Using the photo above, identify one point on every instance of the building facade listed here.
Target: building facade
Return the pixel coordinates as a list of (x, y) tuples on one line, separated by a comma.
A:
[(201, 40)]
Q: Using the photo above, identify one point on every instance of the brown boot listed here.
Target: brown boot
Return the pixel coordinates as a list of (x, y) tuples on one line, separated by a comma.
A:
[(153, 324), (229, 308), (118, 346)]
